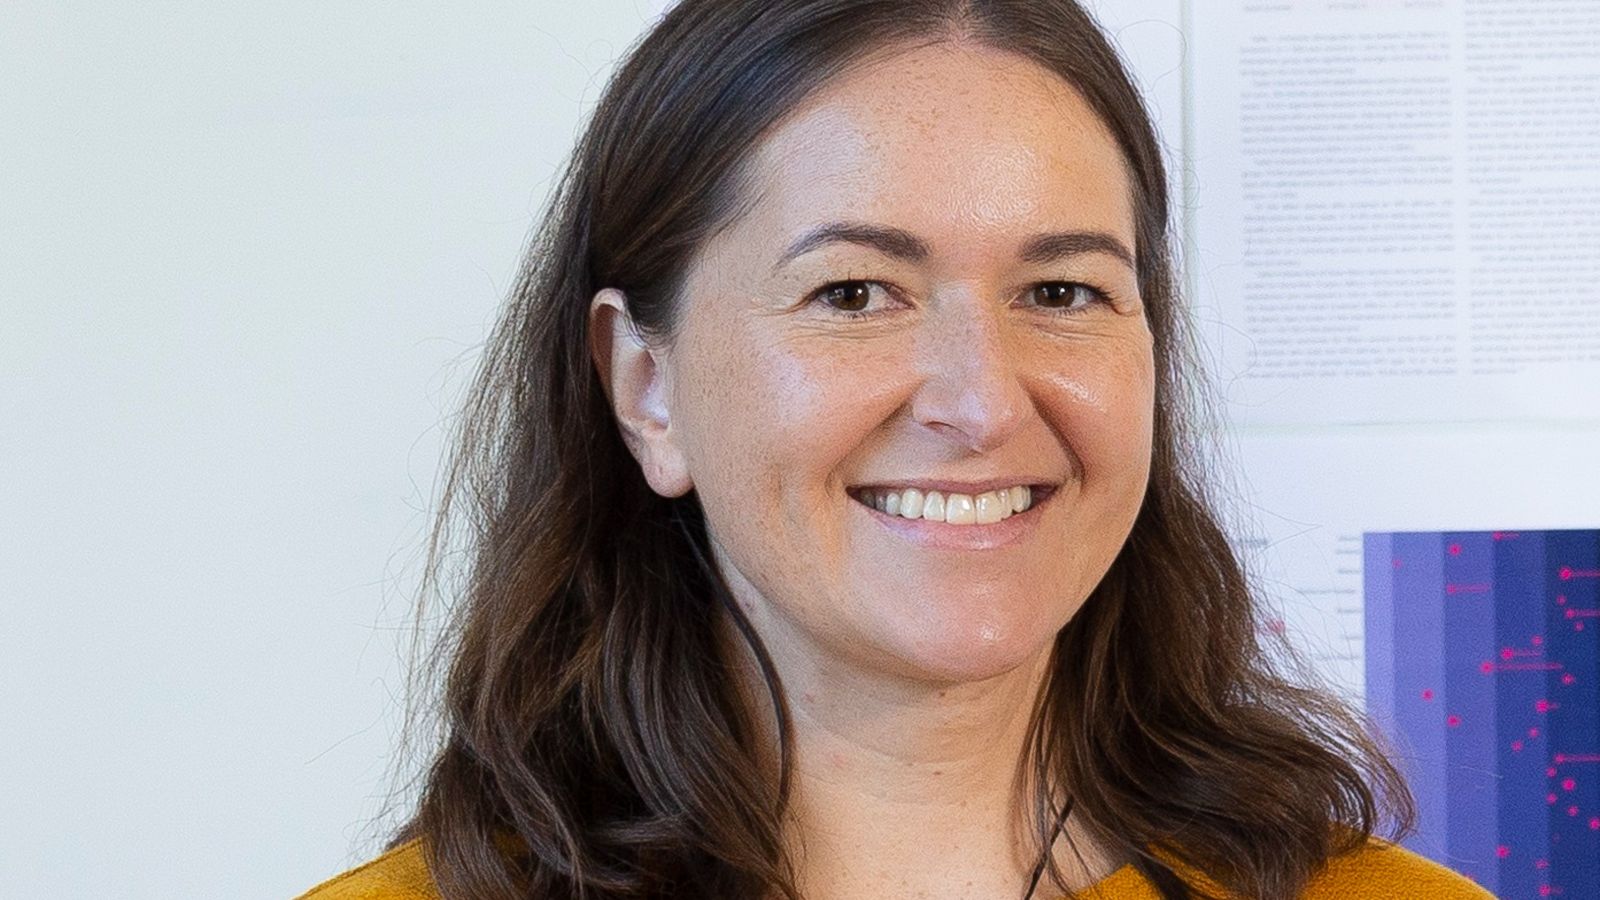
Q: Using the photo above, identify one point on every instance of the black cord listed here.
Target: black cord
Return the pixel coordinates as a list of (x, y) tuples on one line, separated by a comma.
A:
[(1038, 870)]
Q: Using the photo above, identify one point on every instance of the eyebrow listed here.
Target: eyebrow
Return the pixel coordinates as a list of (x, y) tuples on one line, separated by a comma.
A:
[(902, 244)]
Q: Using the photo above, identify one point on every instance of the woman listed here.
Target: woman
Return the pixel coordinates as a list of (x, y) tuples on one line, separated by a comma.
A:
[(838, 530)]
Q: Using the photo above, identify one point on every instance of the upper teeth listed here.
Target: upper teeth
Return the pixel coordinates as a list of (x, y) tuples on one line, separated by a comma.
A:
[(955, 509)]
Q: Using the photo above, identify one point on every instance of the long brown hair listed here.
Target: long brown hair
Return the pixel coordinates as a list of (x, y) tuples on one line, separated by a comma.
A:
[(592, 744)]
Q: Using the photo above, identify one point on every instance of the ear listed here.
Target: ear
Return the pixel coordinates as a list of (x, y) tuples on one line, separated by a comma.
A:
[(636, 378)]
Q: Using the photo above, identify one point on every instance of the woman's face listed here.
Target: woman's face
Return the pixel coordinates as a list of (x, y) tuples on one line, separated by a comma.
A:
[(983, 330)]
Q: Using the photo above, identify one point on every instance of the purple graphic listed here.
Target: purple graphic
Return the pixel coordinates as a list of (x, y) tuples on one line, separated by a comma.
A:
[(1482, 662)]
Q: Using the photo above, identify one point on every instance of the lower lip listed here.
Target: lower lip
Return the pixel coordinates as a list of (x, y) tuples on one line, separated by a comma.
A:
[(944, 536)]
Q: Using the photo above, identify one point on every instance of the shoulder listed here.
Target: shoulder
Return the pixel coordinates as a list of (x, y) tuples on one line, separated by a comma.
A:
[(1381, 870), (1377, 870), (398, 874)]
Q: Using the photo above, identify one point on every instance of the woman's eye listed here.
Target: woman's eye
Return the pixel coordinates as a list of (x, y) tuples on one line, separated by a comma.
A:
[(1065, 296), (849, 297)]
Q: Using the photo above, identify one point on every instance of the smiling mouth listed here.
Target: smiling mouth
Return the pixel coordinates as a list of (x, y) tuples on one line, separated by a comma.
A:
[(953, 507)]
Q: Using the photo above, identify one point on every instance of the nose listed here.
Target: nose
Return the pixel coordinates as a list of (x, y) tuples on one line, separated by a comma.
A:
[(971, 389)]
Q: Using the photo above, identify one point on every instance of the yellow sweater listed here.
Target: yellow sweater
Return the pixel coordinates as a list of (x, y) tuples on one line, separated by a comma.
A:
[(1378, 871)]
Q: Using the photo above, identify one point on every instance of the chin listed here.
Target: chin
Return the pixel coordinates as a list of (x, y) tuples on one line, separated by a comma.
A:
[(970, 651)]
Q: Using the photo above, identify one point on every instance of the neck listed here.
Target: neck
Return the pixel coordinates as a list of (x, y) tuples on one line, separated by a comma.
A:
[(903, 787)]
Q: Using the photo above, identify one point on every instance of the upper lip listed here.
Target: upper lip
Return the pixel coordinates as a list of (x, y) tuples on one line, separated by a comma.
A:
[(953, 486)]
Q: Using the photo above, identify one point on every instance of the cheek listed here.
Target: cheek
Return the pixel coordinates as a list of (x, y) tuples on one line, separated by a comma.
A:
[(771, 424), (1103, 405), (769, 420)]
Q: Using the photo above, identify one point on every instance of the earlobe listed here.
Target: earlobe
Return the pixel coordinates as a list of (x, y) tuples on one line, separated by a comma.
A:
[(636, 378)]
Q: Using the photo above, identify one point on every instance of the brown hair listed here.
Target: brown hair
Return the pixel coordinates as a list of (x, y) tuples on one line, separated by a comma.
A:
[(593, 745)]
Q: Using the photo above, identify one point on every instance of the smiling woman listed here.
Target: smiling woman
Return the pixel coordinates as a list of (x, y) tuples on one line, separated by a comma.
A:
[(839, 527), (975, 181)]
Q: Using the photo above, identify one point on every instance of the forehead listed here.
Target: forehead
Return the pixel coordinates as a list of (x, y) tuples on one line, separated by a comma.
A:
[(952, 143)]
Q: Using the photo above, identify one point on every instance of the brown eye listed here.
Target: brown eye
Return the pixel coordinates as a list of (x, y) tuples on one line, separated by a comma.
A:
[(849, 296), (1063, 295), (852, 298)]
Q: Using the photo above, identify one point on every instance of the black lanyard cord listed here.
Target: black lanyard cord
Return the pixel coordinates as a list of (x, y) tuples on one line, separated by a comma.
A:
[(1038, 870)]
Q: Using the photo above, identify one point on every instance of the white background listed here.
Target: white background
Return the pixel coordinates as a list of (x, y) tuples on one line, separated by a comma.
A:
[(247, 252)]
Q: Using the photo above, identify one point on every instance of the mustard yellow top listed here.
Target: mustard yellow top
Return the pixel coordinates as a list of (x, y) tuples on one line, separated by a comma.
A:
[(1378, 871)]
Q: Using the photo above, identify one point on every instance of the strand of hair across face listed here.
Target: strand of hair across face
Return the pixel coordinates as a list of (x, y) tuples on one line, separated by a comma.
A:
[(1038, 870)]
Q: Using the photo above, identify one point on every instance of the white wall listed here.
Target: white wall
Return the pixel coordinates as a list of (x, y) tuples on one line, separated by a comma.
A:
[(247, 252)]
